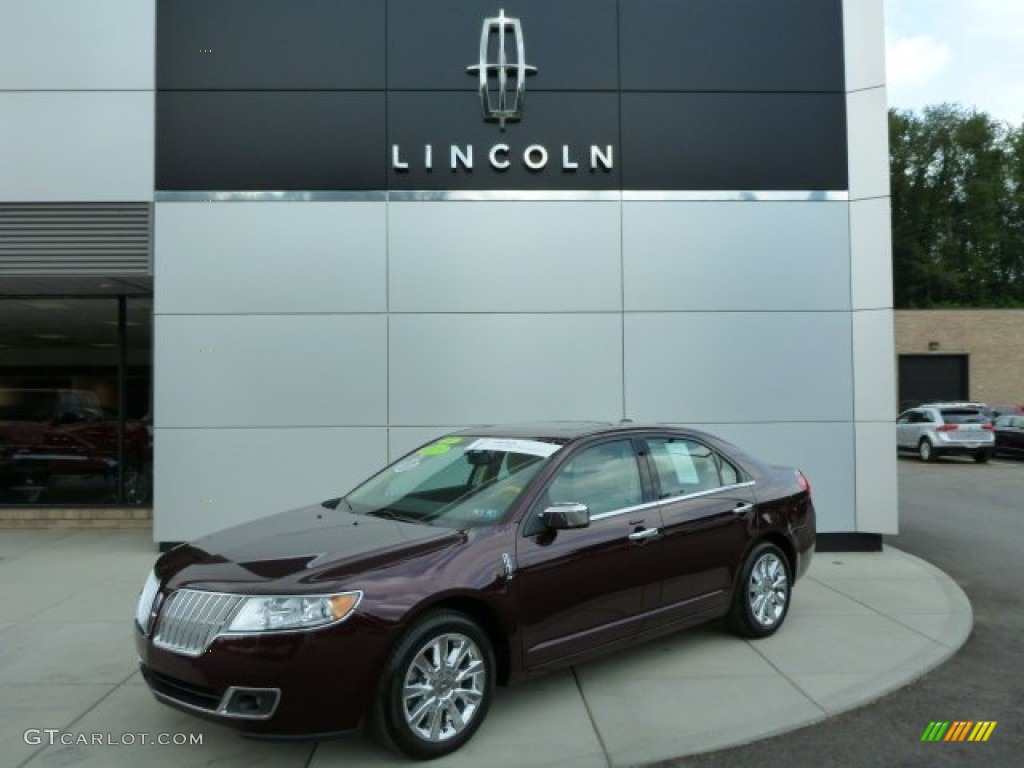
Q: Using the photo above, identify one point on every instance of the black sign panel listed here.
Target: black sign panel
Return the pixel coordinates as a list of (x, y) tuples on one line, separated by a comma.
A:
[(729, 141), (279, 140), (621, 94), (573, 43), (559, 130), (270, 44), (732, 45)]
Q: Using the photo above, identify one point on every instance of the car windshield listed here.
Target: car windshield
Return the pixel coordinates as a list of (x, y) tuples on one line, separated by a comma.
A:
[(457, 482)]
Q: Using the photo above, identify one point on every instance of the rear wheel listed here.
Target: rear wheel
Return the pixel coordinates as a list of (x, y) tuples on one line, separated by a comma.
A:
[(926, 451), (761, 600), (982, 456), (436, 687)]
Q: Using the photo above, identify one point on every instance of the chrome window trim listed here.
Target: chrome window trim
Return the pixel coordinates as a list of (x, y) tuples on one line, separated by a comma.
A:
[(670, 500)]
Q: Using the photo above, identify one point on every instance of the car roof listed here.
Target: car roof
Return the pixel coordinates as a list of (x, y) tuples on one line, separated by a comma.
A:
[(565, 431)]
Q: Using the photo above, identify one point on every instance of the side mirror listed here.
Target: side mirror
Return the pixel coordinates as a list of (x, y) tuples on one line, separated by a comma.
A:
[(564, 515)]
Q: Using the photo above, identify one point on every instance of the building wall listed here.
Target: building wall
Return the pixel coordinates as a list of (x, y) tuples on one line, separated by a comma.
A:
[(992, 339), (302, 343)]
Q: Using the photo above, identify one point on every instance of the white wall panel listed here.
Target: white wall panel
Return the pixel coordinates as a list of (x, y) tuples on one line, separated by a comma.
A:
[(868, 143), (270, 370), (736, 256), (874, 361), (824, 452), (270, 257), (871, 245), (66, 146), (505, 257), (77, 44), (864, 33), (739, 367), (482, 369), (209, 479), (877, 478)]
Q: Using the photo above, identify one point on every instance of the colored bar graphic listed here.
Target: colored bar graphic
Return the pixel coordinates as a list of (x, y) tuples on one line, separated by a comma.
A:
[(982, 731), (958, 730), (934, 731)]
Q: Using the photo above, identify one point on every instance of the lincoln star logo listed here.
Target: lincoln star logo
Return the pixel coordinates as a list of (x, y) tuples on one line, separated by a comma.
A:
[(502, 82)]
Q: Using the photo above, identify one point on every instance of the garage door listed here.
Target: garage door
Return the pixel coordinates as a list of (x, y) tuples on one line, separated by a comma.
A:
[(926, 378)]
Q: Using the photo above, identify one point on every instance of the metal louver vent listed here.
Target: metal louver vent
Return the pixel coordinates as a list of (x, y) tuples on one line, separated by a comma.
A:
[(75, 238)]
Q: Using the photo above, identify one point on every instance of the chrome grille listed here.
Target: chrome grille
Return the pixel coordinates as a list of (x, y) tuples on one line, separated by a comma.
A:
[(190, 619)]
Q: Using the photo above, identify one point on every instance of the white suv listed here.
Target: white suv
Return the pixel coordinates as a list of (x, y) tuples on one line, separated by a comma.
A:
[(938, 429)]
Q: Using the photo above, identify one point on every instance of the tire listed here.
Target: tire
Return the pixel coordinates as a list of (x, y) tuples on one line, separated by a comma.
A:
[(926, 451), (440, 670), (982, 457), (760, 602)]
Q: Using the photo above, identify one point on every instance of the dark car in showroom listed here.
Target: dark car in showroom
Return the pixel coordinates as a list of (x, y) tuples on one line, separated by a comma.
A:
[(482, 558), (1009, 431)]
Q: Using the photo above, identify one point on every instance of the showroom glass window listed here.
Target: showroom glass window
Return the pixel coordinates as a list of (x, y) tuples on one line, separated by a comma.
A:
[(74, 400)]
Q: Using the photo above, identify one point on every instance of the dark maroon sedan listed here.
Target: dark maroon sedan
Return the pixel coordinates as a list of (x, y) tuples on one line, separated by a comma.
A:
[(484, 557)]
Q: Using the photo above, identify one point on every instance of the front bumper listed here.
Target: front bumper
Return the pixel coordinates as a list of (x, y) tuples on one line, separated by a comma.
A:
[(303, 683)]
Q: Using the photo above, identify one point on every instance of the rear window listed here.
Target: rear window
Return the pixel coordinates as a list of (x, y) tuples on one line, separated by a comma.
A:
[(963, 416)]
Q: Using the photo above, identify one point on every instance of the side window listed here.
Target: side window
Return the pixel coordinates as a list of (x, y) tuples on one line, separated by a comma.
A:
[(685, 467), (730, 475), (605, 477)]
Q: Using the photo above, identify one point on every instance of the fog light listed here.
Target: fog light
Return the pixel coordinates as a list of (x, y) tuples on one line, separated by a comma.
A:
[(250, 703)]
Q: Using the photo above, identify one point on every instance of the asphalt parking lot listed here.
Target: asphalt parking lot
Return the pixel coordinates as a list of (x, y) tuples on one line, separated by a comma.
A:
[(967, 519)]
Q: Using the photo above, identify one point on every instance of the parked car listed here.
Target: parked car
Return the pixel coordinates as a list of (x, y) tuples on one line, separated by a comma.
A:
[(482, 558), (60, 441), (946, 429), (1009, 432), (1005, 410)]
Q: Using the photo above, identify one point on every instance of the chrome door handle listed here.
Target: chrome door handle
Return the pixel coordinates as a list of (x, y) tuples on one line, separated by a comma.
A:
[(742, 509), (639, 537)]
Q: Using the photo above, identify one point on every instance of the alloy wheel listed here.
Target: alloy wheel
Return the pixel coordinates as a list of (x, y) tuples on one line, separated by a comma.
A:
[(444, 687), (768, 590)]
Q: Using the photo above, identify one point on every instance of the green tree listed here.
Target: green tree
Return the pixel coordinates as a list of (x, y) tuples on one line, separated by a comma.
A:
[(958, 195)]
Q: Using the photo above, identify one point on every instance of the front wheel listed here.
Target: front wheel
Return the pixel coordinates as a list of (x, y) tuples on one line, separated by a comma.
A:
[(926, 451), (761, 599), (436, 687)]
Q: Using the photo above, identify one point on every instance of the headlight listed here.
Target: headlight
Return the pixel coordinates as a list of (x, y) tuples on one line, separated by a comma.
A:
[(146, 597), (267, 614)]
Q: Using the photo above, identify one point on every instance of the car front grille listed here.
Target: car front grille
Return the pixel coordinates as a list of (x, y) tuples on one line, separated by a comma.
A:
[(190, 619)]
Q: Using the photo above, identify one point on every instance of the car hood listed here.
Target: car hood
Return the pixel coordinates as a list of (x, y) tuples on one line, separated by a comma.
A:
[(301, 549)]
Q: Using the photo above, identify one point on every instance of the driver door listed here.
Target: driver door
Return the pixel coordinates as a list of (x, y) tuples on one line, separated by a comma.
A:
[(583, 588)]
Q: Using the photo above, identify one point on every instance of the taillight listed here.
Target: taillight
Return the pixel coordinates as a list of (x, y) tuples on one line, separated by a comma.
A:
[(801, 478), (947, 428), (989, 427)]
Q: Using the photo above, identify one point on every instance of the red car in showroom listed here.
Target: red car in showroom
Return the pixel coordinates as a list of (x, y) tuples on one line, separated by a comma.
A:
[(482, 558)]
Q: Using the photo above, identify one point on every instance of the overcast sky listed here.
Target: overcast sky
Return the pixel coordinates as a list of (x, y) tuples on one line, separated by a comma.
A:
[(969, 52)]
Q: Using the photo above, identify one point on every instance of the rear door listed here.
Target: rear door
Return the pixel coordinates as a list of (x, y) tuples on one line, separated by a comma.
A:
[(707, 512)]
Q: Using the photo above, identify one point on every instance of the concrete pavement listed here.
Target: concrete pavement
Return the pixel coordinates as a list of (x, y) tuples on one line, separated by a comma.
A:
[(860, 626)]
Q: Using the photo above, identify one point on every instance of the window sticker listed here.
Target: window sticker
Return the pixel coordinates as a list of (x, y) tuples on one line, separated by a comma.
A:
[(434, 449), (406, 464), (682, 463), (512, 445)]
